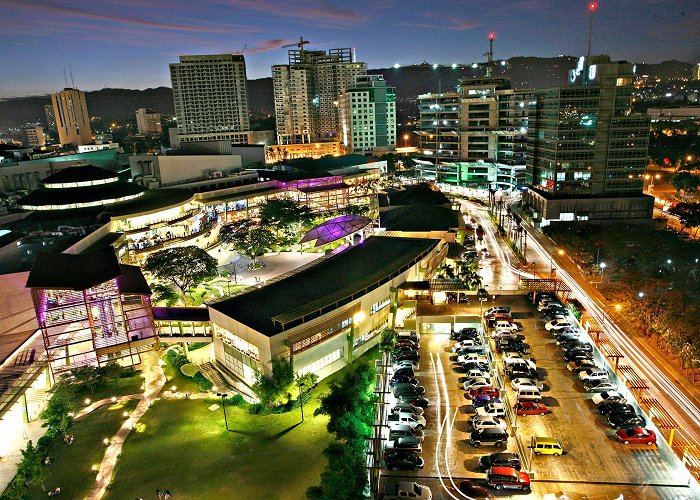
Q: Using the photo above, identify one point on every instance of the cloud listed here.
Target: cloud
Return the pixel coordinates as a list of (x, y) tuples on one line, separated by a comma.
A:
[(455, 24), (318, 11), (266, 45)]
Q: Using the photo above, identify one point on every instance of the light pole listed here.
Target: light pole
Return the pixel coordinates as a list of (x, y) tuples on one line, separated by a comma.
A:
[(301, 398), (405, 140), (223, 396)]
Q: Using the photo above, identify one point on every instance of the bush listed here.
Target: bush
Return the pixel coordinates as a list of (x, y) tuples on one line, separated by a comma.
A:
[(175, 359), (255, 408), (189, 370), (236, 400), (197, 345), (202, 382)]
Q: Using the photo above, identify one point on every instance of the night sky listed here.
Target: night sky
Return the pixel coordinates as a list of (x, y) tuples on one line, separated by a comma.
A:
[(129, 43)]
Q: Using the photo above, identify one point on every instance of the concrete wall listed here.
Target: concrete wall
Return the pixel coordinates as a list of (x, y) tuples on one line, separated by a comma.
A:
[(16, 306)]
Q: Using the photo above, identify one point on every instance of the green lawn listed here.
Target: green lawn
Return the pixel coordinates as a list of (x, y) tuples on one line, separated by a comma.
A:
[(184, 447), (176, 378), (71, 466), (116, 387)]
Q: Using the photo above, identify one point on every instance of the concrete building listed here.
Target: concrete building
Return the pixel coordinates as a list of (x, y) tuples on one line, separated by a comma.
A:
[(177, 170), (50, 118), (485, 119), (210, 98), (307, 90), (315, 150), (72, 118), (587, 151), (479, 174), (674, 114), (33, 136), (148, 122), (368, 115)]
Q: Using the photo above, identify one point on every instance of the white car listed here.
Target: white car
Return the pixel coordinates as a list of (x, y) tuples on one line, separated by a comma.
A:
[(472, 356), (516, 383), (405, 418), (545, 303), (558, 324), (601, 387), (476, 373), (609, 396), (504, 334), (412, 364), (491, 410), (465, 344), (506, 325), (487, 422), (593, 374), (476, 383), (406, 408)]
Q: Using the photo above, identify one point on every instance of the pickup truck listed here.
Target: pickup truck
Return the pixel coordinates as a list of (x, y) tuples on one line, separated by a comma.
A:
[(406, 418), (396, 491)]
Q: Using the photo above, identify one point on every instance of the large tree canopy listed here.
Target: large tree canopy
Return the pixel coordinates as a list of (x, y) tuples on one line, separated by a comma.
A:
[(283, 213), (182, 267), (247, 237)]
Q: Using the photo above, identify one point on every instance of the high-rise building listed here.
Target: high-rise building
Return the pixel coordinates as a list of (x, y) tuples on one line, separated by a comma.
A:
[(33, 136), (72, 118), (483, 119), (148, 121), (586, 150), (368, 115), (696, 72), (307, 92), (50, 119), (210, 98)]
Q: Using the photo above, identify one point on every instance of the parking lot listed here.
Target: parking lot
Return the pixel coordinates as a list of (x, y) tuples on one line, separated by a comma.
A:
[(595, 464)]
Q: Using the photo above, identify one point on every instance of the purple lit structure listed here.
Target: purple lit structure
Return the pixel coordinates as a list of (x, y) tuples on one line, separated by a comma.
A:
[(337, 228)]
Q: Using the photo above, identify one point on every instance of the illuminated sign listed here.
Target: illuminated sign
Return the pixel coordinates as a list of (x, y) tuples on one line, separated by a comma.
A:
[(592, 72)]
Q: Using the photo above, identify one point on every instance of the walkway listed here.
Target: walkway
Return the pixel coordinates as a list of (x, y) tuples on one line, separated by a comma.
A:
[(154, 381)]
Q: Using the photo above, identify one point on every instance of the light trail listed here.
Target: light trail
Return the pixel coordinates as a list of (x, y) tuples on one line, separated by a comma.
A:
[(441, 425)]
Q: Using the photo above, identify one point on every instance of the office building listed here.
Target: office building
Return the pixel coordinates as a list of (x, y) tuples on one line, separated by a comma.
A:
[(307, 92), (50, 118), (484, 119), (210, 98), (368, 115), (33, 136), (72, 118), (148, 122), (696, 72), (587, 151)]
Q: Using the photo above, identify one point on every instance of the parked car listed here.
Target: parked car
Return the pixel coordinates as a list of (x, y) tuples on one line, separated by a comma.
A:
[(490, 437), (476, 382), (626, 420), (475, 365), (576, 355), (465, 358), (504, 459), (579, 365), (485, 422), (608, 396), (473, 490), (406, 418), (414, 400), (406, 407), (403, 386), (509, 345), (603, 386), (404, 370), (406, 363), (565, 336), (506, 326), (614, 407), (507, 477), (494, 409), (398, 431), (482, 295), (407, 356), (504, 334), (558, 324), (476, 373), (516, 383), (465, 333), (482, 391), (576, 345), (593, 374), (524, 408), (497, 310), (405, 443), (636, 435), (408, 390), (402, 379), (403, 460), (545, 304), (408, 343)]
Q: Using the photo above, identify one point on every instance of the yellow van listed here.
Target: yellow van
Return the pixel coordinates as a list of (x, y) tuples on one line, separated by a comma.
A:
[(547, 446)]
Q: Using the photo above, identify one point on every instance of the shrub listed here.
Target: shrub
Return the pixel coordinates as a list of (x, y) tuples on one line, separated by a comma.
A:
[(255, 408), (189, 370), (175, 359), (235, 400), (202, 382), (197, 345)]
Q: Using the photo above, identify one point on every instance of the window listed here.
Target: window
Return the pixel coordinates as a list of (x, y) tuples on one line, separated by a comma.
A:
[(378, 306), (317, 365)]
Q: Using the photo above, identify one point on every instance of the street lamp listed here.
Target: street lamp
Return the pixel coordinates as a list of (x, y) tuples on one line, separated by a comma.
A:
[(641, 295), (405, 140), (301, 397), (223, 396)]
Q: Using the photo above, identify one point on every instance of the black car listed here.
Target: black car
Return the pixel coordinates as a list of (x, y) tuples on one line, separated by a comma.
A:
[(408, 391), (574, 355), (405, 348), (474, 365), (626, 420), (404, 371), (509, 345), (465, 333), (406, 356), (490, 436), (473, 490), (400, 344), (550, 314), (482, 294), (500, 460), (403, 379), (522, 373), (576, 345), (403, 460), (611, 407), (418, 401)]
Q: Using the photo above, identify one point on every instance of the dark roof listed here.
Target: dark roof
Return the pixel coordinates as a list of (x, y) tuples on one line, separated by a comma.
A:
[(330, 283), (106, 241), (419, 217), (455, 251), (131, 280), (80, 173), (73, 272), (414, 285), (181, 314), (88, 194), (419, 193), (323, 187), (330, 162)]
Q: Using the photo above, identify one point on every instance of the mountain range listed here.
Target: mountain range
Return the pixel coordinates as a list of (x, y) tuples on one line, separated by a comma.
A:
[(410, 81)]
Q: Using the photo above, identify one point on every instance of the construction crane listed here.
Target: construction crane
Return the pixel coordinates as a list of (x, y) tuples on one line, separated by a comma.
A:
[(240, 52), (299, 44)]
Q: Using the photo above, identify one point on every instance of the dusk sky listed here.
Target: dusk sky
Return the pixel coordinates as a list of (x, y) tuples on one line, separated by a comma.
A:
[(129, 43)]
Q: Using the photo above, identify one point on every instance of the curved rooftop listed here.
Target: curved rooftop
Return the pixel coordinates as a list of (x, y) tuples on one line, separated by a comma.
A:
[(80, 175), (334, 229)]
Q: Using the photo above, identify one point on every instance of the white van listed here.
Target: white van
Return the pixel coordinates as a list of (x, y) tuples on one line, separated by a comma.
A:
[(529, 393)]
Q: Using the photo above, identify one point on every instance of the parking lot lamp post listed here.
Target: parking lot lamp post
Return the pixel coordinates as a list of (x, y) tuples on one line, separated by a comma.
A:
[(301, 397), (223, 396)]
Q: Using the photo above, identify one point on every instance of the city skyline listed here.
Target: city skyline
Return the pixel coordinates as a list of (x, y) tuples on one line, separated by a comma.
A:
[(131, 44)]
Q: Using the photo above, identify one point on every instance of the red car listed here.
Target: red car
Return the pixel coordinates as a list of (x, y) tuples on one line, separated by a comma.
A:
[(636, 435), (483, 391), (525, 408)]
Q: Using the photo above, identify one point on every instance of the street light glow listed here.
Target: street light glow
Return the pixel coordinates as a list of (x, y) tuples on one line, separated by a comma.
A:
[(603, 265), (397, 65), (641, 294), (435, 66)]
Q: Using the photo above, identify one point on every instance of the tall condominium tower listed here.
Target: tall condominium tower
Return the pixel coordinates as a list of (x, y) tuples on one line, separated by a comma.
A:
[(586, 150), (210, 98), (484, 119), (148, 121), (368, 115), (307, 92), (71, 116)]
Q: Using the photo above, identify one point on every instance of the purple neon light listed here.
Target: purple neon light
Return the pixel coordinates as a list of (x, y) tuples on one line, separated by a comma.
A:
[(337, 228)]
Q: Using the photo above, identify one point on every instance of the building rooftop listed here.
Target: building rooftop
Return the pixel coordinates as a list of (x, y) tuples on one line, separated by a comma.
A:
[(80, 173), (419, 217), (131, 280), (58, 197), (181, 314), (325, 286), (417, 194), (329, 163)]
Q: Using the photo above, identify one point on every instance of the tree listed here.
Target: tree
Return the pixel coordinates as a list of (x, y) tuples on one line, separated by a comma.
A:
[(32, 467), (283, 213), (248, 238), (687, 213), (182, 267), (686, 182), (274, 390), (387, 339), (57, 414)]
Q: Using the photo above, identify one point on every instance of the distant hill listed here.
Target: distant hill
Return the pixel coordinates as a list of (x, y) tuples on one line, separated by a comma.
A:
[(410, 81)]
